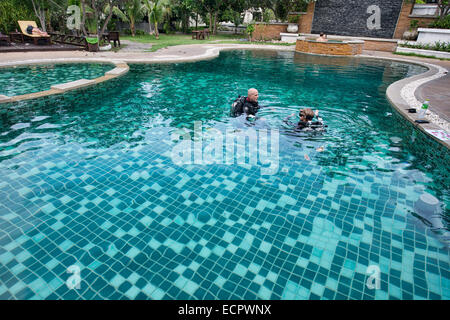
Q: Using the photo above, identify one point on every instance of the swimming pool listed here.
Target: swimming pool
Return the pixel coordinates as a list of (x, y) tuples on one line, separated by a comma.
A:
[(87, 183), (34, 78)]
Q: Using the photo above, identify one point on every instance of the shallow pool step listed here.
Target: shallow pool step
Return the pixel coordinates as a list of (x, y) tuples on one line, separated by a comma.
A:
[(117, 71), (73, 85), (4, 98)]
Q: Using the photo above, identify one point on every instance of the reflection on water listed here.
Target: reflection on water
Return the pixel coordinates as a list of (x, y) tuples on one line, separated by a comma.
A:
[(369, 164)]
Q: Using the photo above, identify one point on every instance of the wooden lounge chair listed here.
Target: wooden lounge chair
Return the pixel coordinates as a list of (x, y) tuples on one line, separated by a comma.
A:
[(5, 38), (23, 27)]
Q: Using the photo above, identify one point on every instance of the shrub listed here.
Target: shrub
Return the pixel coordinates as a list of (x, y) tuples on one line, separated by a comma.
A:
[(437, 46), (12, 11), (293, 18), (442, 23)]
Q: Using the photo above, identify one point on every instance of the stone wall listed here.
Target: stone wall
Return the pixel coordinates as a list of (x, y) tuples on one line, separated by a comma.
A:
[(399, 24), (307, 19), (269, 31), (374, 45), (329, 48), (404, 21), (360, 18)]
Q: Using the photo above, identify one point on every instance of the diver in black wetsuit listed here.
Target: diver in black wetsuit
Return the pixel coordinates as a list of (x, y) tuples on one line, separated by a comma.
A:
[(246, 105), (306, 123)]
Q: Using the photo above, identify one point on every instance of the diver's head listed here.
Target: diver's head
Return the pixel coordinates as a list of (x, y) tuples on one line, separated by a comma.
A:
[(306, 114), (252, 95)]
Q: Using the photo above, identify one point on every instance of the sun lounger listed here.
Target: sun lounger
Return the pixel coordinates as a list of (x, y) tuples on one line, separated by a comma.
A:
[(5, 38), (23, 27)]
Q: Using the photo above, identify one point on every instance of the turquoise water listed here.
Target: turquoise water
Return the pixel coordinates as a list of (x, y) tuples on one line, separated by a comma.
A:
[(87, 180), (29, 79)]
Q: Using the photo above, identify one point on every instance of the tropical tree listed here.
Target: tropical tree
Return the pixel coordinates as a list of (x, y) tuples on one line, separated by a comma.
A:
[(156, 10), (13, 10), (281, 8), (236, 8), (134, 11), (40, 8), (97, 14), (444, 8), (183, 9)]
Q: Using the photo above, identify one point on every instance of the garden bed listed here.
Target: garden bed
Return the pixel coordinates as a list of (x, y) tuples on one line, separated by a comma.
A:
[(431, 53)]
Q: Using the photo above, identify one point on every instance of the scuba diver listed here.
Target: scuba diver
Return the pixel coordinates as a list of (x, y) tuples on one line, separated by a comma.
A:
[(306, 123), (246, 105)]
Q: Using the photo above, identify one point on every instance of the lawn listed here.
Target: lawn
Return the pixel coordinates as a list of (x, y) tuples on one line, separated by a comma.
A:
[(166, 40)]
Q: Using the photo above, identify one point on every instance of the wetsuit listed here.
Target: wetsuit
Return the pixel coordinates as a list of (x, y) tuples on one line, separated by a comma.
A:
[(243, 105), (250, 107), (310, 125)]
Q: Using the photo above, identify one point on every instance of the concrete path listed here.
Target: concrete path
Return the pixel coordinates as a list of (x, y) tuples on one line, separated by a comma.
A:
[(437, 91), (134, 47)]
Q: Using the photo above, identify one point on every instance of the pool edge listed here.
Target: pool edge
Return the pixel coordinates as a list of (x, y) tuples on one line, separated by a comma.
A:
[(120, 68)]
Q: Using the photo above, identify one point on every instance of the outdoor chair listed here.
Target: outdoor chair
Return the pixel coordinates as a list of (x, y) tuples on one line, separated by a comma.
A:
[(23, 27), (5, 38)]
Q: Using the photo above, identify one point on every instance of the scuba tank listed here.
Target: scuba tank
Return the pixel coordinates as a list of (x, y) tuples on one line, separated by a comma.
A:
[(237, 107)]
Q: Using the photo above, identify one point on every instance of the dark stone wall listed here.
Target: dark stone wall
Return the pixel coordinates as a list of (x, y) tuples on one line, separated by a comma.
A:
[(349, 17)]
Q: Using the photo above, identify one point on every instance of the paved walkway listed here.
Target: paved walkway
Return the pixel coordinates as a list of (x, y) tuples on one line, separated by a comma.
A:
[(133, 46), (437, 91)]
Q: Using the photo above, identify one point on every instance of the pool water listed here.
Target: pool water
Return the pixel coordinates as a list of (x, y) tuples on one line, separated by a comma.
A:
[(87, 182), (29, 79)]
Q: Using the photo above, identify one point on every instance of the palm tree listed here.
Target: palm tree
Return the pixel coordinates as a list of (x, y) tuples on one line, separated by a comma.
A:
[(156, 10), (135, 11)]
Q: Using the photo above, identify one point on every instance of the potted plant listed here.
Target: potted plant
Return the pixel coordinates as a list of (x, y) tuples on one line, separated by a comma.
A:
[(293, 23), (412, 33), (250, 29)]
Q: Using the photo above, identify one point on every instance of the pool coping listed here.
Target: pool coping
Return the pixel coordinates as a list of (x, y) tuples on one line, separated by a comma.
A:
[(120, 69), (400, 94)]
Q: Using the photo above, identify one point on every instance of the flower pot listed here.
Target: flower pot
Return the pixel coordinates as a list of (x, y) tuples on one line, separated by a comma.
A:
[(93, 47), (92, 43), (292, 28), (410, 35)]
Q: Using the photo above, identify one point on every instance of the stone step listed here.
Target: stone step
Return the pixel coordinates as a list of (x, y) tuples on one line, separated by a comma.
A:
[(4, 99), (73, 85)]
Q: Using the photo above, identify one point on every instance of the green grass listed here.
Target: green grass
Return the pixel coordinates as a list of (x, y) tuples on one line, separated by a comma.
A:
[(419, 55), (183, 39)]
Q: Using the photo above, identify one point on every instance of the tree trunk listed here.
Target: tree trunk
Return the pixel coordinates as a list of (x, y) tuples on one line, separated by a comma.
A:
[(132, 27), (106, 22), (149, 25), (40, 14), (83, 20), (42, 20), (215, 22), (210, 21), (156, 30)]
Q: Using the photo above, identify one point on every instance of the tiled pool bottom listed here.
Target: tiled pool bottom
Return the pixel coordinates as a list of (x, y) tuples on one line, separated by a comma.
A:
[(87, 182), (21, 80), (134, 238)]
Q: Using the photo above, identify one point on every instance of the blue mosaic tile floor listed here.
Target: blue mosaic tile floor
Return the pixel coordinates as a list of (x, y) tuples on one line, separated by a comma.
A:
[(87, 180)]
